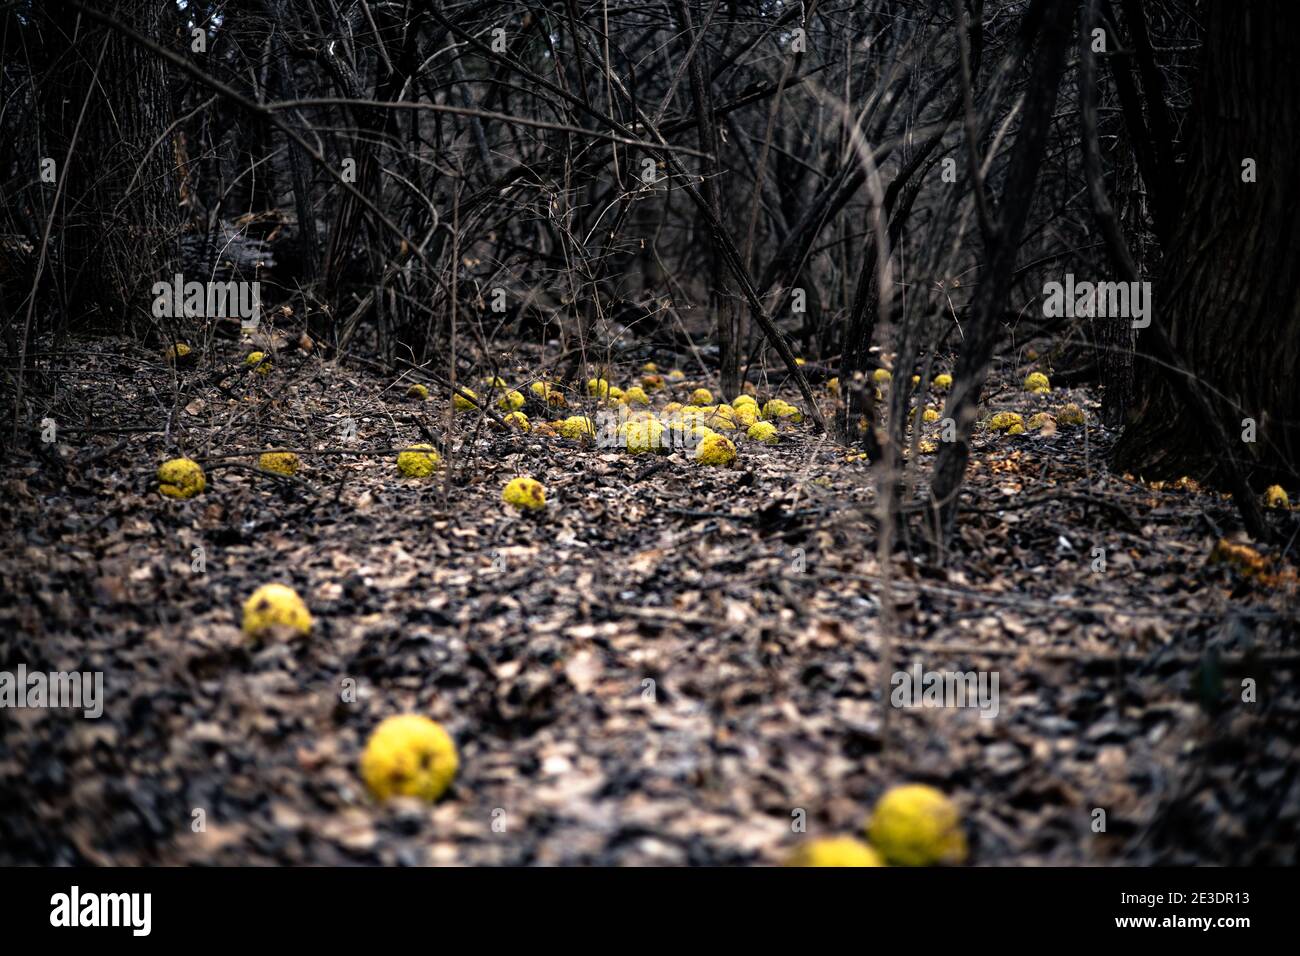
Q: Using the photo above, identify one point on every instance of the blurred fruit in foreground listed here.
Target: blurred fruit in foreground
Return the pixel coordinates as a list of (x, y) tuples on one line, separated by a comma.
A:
[(410, 756), (917, 825), (834, 851)]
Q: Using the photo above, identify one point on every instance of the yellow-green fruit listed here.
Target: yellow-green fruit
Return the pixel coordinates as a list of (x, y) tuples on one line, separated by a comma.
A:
[(1040, 420), (833, 385), (916, 825), (280, 462), (930, 415), (641, 436), (764, 432), (461, 403), (701, 396), (1005, 421), (673, 407), (1275, 497), (576, 426), (776, 408), (1070, 414), (597, 388), (746, 415), (418, 391), (539, 389), (834, 851), (636, 396), (676, 375), (275, 606), (1016, 429), (179, 353), (743, 399), (649, 367), (942, 382), (881, 375), (409, 756), (526, 494), (498, 382), (517, 420), (259, 362), (1037, 382), (687, 434), (417, 461), (652, 383), (715, 449), (511, 400), (615, 393), (181, 478)]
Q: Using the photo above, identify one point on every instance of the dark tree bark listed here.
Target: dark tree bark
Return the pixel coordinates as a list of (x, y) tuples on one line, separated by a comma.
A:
[(721, 296), (1231, 295), (995, 283), (117, 227)]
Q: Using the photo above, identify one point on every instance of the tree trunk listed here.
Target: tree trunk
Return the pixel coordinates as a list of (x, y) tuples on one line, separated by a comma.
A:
[(117, 228), (1231, 295), (995, 282)]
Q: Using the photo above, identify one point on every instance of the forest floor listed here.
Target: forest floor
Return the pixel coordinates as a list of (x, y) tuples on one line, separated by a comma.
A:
[(672, 664)]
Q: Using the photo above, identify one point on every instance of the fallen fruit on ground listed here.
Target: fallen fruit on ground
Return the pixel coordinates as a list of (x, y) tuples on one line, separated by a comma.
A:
[(418, 391), (641, 436), (1037, 382), (461, 403), (577, 426), (917, 825), (275, 607), (418, 461), (834, 851), (1070, 414), (179, 354), (280, 462), (181, 478), (524, 493), (1005, 421), (410, 756), (764, 432), (716, 450)]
